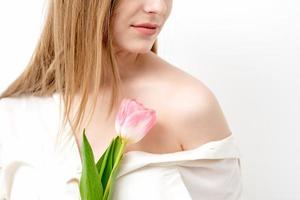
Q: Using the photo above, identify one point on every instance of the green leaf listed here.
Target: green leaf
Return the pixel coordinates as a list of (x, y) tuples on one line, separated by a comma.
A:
[(103, 166), (113, 177), (90, 182), (101, 163), (117, 147), (117, 154), (111, 157)]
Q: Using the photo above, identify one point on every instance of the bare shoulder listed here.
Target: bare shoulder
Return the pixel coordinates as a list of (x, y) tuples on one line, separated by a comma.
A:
[(194, 110)]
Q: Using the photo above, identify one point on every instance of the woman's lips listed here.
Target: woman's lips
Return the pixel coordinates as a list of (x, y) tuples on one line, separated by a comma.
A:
[(145, 30)]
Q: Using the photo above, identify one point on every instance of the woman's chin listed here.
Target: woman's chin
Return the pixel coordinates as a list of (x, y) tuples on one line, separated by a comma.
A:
[(139, 48)]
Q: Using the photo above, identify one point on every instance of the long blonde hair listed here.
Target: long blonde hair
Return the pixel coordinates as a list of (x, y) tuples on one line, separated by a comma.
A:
[(73, 54)]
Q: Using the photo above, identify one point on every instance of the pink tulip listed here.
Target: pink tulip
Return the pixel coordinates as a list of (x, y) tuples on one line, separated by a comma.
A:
[(133, 120)]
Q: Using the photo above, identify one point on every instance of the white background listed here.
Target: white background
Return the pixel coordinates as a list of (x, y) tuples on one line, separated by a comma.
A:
[(246, 52)]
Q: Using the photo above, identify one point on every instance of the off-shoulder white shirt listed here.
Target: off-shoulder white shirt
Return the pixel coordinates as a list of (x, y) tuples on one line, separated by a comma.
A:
[(35, 164)]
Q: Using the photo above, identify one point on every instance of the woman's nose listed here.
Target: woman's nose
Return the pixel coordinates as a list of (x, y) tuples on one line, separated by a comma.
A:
[(155, 6)]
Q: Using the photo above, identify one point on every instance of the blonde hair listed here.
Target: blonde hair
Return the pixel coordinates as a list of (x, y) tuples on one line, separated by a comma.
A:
[(73, 53)]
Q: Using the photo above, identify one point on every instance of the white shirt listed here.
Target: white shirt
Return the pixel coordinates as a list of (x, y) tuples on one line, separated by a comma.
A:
[(33, 166)]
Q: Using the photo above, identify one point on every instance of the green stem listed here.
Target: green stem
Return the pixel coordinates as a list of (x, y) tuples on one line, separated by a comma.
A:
[(114, 167)]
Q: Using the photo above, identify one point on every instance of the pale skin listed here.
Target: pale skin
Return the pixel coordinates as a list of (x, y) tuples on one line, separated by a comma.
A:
[(188, 113)]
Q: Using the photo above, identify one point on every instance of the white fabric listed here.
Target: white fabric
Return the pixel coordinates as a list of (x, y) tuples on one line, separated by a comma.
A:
[(33, 167)]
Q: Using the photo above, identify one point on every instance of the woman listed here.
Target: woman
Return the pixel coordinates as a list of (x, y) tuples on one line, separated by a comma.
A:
[(90, 55)]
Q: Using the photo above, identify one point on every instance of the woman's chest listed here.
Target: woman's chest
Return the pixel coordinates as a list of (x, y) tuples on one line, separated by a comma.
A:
[(160, 139)]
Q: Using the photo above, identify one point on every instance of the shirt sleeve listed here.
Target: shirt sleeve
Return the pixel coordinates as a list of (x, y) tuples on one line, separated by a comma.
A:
[(3, 130), (212, 179), (17, 177), (31, 165), (211, 171)]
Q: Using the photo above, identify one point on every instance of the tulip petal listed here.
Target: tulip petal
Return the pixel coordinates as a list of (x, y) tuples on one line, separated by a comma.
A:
[(137, 125), (133, 120)]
